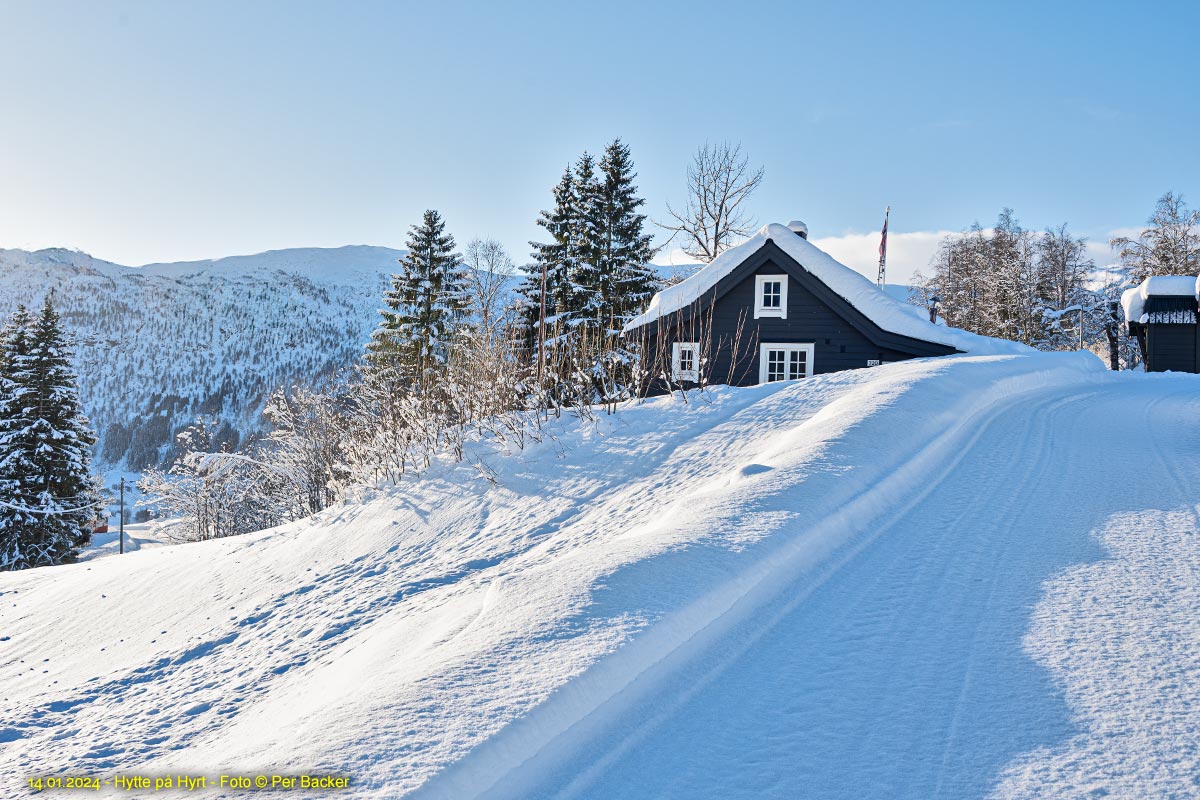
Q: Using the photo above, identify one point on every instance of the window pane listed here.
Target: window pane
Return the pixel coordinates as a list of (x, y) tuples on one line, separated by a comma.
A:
[(797, 363), (771, 291), (775, 365)]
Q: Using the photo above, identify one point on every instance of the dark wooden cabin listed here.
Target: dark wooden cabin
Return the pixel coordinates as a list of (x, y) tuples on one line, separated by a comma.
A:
[(1161, 315), (760, 313)]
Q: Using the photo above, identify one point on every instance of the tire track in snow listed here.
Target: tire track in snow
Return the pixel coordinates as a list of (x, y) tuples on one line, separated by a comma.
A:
[(1120, 635), (1045, 452)]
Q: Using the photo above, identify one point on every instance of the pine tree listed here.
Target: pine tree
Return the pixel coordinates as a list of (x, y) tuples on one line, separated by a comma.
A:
[(615, 279), (45, 449), (424, 307)]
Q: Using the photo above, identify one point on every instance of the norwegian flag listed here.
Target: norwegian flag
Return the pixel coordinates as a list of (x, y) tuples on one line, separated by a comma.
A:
[(883, 237), (883, 246)]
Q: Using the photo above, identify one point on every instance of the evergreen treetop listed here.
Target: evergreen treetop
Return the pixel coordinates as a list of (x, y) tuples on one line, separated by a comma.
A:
[(424, 306)]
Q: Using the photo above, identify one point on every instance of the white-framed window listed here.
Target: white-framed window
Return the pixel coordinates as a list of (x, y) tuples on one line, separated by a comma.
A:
[(685, 361), (784, 362), (770, 296)]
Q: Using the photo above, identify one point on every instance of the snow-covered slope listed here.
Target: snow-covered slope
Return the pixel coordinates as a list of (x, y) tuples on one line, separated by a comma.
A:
[(821, 588), (351, 265), (162, 343)]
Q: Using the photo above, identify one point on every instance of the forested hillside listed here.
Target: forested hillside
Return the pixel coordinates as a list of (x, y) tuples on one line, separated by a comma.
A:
[(160, 344)]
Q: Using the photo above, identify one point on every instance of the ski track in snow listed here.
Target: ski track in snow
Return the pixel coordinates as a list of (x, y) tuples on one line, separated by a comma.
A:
[(818, 589), (1122, 637)]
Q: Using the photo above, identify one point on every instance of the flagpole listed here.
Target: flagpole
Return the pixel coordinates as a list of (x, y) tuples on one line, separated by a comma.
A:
[(881, 280)]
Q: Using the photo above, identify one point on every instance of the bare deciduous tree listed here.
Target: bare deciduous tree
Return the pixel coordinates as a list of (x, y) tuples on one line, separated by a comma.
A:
[(1170, 245), (719, 182), (490, 267), (1064, 264)]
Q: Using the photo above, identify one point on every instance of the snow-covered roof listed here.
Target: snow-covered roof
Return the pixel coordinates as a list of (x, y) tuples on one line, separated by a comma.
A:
[(1133, 301), (900, 318)]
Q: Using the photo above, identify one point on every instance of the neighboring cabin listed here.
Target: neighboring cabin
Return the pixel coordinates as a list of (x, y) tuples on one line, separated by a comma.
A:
[(779, 308), (1161, 315)]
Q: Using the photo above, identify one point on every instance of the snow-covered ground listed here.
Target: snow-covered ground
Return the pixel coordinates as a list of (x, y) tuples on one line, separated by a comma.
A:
[(945, 578), (137, 537)]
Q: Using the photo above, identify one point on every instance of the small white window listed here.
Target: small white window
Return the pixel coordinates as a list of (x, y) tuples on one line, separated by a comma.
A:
[(770, 296), (685, 361)]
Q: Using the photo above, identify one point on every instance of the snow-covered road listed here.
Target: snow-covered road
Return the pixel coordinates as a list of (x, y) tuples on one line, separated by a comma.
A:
[(949, 578), (904, 669)]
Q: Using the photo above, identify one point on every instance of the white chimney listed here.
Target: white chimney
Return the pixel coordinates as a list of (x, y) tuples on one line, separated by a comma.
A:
[(799, 228)]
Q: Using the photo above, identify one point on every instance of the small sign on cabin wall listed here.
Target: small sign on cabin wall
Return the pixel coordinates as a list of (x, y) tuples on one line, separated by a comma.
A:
[(872, 362)]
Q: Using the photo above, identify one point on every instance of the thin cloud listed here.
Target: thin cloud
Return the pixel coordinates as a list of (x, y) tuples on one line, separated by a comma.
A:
[(908, 252)]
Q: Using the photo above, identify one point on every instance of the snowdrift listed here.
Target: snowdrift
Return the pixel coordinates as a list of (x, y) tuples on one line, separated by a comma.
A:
[(446, 639)]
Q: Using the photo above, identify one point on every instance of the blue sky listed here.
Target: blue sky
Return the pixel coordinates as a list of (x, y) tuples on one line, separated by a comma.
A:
[(148, 131)]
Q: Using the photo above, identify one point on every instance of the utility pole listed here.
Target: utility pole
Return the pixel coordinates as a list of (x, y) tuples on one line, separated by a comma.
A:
[(122, 515), (1080, 324)]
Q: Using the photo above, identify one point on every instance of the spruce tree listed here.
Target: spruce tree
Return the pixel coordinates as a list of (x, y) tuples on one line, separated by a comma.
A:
[(597, 270), (14, 522), (558, 259), (45, 449), (571, 256), (626, 281), (424, 307), (588, 244)]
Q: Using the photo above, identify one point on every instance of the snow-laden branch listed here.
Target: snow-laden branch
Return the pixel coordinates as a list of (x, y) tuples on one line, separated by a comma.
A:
[(48, 512)]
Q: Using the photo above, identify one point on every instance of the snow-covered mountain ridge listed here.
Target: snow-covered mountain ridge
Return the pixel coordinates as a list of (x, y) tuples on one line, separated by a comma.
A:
[(162, 343), (820, 587)]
